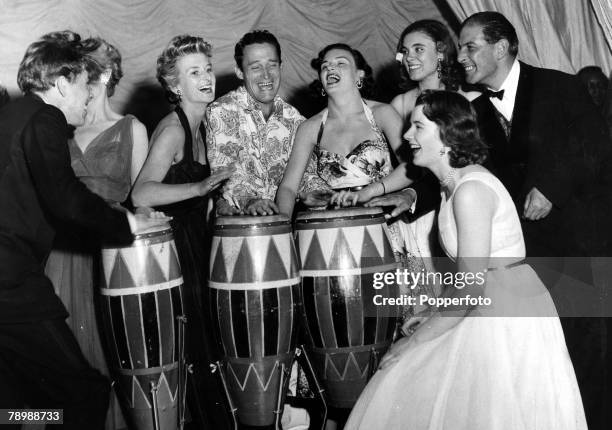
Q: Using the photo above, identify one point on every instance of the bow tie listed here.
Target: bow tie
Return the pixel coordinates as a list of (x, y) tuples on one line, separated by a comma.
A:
[(491, 94)]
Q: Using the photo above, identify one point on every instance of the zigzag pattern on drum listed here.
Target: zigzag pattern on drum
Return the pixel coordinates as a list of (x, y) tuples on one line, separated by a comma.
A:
[(340, 253), (259, 261), (140, 395), (243, 373), (141, 298), (343, 249), (337, 367)]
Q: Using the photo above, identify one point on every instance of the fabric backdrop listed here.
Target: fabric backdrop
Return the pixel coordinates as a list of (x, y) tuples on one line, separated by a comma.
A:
[(557, 34), (141, 29), (554, 33)]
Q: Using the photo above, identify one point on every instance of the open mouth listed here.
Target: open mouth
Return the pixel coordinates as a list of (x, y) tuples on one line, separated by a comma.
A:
[(266, 86), (332, 78), (412, 67), (469, 68), (206, 89), (415, 147)]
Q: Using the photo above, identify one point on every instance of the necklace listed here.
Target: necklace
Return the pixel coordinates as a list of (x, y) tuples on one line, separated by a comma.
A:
[(449, 178)]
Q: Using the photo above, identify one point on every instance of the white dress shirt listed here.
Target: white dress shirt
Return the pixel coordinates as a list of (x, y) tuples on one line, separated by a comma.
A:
[(506, 105)]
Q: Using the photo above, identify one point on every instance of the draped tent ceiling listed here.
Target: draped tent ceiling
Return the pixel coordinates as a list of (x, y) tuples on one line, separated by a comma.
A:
[(558, 34)]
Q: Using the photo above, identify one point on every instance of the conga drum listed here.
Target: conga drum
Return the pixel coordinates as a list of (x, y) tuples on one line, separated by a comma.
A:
[(254, 282), (141, 300), (340, 251)]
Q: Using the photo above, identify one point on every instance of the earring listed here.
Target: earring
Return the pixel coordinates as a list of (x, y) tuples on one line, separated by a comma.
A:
[(323, 93), (359, 83), (104, 80), (179, 94), (439, 68), (442, 152)]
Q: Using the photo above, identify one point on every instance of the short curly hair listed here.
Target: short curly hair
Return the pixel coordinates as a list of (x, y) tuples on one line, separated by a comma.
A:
[(178, 47), (458, 126), (451, 73), (367, 89), (53, 55), (108, 57)]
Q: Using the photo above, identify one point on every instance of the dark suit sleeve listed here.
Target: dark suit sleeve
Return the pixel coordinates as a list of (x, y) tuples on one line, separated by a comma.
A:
[(428, 194), (61, 193), (582, 142)]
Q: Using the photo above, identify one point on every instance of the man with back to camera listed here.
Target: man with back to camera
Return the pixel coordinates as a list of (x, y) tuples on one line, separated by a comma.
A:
[(549, 146), (41, 364), (253, 128)]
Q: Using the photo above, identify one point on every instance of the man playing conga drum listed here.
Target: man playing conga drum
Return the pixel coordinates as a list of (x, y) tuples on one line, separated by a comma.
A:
[(41, 364), (253, 128)]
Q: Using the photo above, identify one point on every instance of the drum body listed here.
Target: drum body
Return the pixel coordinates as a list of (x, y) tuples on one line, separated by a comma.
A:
[(340, 251), (141, 298), (254, 281)]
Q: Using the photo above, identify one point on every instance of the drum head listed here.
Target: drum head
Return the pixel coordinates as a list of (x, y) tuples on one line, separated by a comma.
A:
[(156, 231), (347, 213), (250, 220)]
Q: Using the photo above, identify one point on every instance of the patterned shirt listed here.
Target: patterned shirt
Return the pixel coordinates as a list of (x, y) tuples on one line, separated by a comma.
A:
[(238, 133)]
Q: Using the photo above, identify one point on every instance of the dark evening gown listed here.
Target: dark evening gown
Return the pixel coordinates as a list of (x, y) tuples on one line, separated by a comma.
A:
[(205, 397)]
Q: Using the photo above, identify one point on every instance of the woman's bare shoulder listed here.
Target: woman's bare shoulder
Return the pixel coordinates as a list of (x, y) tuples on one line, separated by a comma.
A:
[(312, 124), (169, 128)]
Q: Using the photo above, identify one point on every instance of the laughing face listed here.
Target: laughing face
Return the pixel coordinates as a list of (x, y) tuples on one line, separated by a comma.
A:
[(261, 72), (339, 70), (196, 80), (420, 56), (424, 139), (478, 58)]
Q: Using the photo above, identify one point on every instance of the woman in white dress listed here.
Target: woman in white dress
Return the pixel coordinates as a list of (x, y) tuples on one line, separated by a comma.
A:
[(473, 366)]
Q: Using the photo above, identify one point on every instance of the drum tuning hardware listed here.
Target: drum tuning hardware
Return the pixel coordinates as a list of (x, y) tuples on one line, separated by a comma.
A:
[(155, 405)]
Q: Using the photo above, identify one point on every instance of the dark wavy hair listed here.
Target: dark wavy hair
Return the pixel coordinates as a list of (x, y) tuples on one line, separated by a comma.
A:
[(367, 89), (108, 57), (451, 73), (456, 120), (53, 55), (178, 47), (494, 27), (252, 37)]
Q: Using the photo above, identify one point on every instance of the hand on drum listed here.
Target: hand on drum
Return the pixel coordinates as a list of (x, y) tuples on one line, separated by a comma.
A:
[(151, 213), (261, 207), (349, 198), (224, 208), (316, 198), (401, 202), (214, 180), (143, 222)]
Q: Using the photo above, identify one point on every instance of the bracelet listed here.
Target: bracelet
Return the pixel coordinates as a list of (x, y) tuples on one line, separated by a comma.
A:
[(384, 189)]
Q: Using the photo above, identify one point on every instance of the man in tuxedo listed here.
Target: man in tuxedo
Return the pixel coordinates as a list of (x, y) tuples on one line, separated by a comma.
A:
[(41, 364), (549, 147)]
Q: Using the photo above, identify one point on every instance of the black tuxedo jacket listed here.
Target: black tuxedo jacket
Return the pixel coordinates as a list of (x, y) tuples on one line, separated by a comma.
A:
[(558, 144), (38, 189)]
